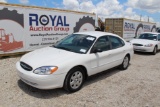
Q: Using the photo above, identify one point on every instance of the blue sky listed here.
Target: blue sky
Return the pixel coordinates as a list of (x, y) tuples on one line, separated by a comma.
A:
[(132, 9)]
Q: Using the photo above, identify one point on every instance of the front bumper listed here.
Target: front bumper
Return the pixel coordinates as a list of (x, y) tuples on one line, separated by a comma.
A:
[(143, 49), (40, 81)]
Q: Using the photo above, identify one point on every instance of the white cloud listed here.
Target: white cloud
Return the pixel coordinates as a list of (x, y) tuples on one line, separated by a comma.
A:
[(71, 4), (82, 0), (151, 6), (111, 8), (108, 7), (24, 1), (129, 11), (87, 6), (3, 1), (103, 8)]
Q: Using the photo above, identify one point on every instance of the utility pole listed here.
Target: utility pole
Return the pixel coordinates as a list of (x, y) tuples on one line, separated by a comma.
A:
[(148, 18), (140, 17)]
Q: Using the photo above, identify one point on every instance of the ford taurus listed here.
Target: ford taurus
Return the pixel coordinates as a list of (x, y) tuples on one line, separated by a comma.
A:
[(69, 62)]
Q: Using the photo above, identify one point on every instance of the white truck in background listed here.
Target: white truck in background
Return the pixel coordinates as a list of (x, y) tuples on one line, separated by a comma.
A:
[(26, 28), (128, 28)]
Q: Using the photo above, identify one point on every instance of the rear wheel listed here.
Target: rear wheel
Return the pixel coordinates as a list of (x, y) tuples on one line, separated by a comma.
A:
[(155, 50), (125, 63), (74, 80)]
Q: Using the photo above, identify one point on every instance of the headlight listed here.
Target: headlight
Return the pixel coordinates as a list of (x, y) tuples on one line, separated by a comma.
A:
[(45, 70), (148, 45)]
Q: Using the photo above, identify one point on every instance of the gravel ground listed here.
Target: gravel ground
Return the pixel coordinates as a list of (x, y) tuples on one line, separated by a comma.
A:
[(138, 86)]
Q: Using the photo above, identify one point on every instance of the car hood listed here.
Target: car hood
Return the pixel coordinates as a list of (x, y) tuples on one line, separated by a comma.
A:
[(48, 56), (142, 41)]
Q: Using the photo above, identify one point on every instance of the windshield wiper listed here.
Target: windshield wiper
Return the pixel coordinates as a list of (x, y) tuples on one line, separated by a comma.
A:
[(63, 48)]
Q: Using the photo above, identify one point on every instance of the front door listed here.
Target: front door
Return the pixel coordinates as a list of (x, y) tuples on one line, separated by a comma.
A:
[(118, 50), (101, 61)]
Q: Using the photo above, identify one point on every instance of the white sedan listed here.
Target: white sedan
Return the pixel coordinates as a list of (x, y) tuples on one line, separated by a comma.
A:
[(147, 42), (68, 63)]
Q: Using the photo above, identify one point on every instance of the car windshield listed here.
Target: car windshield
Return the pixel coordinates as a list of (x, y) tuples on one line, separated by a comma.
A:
[(78, 43), (148, 36)]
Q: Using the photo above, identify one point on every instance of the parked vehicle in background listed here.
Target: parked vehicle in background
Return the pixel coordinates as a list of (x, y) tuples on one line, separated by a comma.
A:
[(128, 28), (147, 42), (69, 62)]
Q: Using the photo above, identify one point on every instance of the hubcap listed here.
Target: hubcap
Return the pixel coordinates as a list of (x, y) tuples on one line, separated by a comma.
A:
[(76, 80), (125, 62)]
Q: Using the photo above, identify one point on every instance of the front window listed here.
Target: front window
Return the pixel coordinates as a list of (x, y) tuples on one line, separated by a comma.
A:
[(102, 43), (148, 36), (78, 43)]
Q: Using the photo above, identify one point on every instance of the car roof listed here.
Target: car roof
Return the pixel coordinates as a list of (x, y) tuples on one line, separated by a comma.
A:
[(151, 33), (96, 33)]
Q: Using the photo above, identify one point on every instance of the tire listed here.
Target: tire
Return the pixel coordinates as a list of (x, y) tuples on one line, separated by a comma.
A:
[(125, 63), (74, 80), (155, 50)]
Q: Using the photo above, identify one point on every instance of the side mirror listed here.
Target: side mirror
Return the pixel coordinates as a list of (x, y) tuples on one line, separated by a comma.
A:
[(97, 51)]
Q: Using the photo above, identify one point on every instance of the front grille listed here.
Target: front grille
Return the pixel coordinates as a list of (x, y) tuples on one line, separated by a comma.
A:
[(26, 66), (135, 44)]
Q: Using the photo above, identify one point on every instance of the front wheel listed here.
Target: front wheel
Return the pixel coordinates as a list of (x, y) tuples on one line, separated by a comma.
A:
[(74, 80), (125, 63), (155, 50)]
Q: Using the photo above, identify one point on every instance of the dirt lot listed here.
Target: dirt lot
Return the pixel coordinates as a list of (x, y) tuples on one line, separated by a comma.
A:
[(139, 86)]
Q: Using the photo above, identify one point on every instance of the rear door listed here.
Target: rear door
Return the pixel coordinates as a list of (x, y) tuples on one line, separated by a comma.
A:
[(118, 50)]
